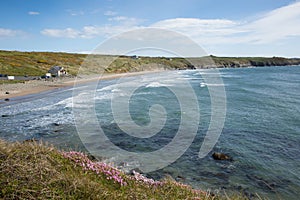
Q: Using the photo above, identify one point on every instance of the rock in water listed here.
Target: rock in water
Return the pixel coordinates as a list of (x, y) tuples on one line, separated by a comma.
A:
[(221, 156), (31, 140), (133, 171)]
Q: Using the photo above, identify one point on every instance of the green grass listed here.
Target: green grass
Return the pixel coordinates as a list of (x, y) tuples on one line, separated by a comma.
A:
[(31, 170), (37, 63)]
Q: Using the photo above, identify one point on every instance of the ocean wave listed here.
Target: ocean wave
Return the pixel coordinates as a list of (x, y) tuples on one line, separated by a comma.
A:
[(106, 88), (215, 84), (116, 90), (67, 103), (203, 84), (189, 78), (207, 73), (156, 85), (103, 96), (229, 76)]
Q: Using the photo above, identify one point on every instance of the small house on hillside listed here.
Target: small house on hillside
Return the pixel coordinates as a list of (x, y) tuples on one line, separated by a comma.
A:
[(57, 71), (134, 57), (48, 75), (10, 77)]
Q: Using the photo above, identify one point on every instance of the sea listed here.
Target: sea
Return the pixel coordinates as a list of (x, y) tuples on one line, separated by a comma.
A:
[(259, 125)]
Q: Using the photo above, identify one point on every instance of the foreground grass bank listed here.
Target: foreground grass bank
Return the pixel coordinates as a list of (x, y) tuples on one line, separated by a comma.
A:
[(35, 171)]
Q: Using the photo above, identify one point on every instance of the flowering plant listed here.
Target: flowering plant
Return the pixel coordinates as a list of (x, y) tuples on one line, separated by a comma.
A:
[(97, 167)]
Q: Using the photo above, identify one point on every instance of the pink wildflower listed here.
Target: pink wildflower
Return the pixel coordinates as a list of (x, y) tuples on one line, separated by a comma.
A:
[(97, 167)]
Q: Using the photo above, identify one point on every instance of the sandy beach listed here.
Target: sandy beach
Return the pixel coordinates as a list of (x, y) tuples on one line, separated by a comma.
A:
[(8, 91)]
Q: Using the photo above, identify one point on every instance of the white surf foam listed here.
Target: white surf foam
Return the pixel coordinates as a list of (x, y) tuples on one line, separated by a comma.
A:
[(156, 85)]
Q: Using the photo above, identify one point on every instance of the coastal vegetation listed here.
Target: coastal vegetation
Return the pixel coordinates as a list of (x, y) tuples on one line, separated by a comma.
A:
[(32, 170), (38, 63)]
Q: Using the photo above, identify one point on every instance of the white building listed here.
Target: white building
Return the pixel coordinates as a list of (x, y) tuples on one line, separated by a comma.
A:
[(57, 71), (10, 77)]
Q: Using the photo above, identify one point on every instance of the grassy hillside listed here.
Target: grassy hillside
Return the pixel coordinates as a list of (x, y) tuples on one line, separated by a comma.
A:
[(38, 63), (33, 171)]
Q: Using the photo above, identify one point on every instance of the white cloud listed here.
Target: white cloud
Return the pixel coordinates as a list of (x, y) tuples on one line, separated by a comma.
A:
[(126, 21), (86, 32), (33, 13), (9, 32), (68, 33), (75, 13), (110, 13), (118, 18), (179, 23), (276, 25), (200, 28), (204, 31), (271, 27), (121, 24)]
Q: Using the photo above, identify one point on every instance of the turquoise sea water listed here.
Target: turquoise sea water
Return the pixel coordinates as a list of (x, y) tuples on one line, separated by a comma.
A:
[(261, 131)]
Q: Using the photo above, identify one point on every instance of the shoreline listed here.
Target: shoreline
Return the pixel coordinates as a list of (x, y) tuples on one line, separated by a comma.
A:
[(38, 86)]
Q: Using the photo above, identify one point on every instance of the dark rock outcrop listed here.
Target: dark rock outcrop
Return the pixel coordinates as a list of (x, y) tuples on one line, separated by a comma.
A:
[(56, 124), (31, 140), (133, 171), (221, 156)]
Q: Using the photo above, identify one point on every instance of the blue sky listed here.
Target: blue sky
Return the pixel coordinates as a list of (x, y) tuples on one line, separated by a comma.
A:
[(224, 28)]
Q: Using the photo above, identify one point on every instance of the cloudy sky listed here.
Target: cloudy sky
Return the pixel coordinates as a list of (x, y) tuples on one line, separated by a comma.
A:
[(223, 28)]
